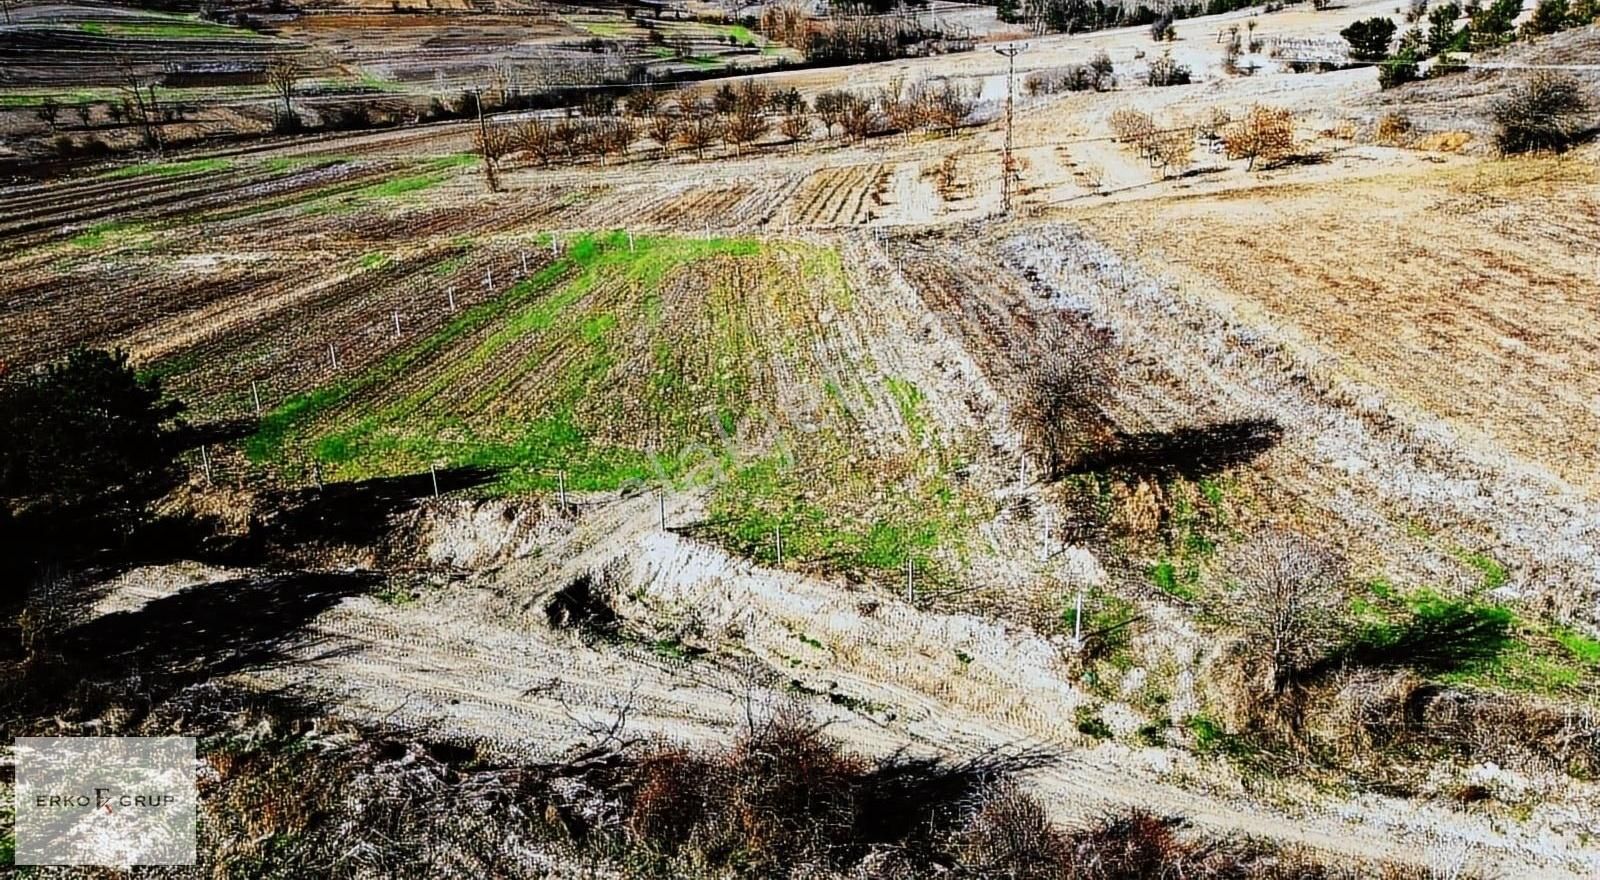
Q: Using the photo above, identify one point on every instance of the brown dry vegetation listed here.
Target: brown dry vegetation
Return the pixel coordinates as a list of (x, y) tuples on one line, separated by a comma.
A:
[(1466, 292)]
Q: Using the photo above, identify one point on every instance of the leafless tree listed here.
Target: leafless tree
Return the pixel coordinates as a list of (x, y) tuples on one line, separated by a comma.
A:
[(858, 118), (139, 99), (949, 105), (1067, 383), (699, 131), (1286, 594), (663, 129), (48, 112), (283, 74), (616, 136), (831, 108), (1265, 134), (1173, 150), (643, 103), (795, 127), (536, 137), (744, 127)]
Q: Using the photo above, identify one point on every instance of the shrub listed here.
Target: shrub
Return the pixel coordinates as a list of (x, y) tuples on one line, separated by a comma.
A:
[(1166, 71), (1066, 386), (1392, 129), (1398, 70), (1547, 111)]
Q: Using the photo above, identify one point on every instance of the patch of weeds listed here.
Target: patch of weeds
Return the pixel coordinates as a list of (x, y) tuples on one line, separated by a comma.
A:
[(856, 704), (1153, 733), (1494, 574), (396, 594), (168, 169), (1190, 538), (1107, 626), (1182, 585), (808, 640), (1429, 632), (1211, 738), (674, 648), (963, 658), (1582, 648), (909, 400), (375, 260), (1089, 723), (1468, 641), (109, 232)]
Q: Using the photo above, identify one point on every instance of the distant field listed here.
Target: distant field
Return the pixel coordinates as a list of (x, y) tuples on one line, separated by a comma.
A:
[(1469, 292)]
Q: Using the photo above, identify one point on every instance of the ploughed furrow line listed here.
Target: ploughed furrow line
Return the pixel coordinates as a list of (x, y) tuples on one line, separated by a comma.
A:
[(162, 197)]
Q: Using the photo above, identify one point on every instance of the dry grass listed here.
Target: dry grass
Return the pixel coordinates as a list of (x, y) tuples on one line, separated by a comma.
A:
[(1459, 290)]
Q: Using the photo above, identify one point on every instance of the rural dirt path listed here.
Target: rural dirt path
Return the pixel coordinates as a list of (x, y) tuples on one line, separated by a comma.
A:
[(478, 662)]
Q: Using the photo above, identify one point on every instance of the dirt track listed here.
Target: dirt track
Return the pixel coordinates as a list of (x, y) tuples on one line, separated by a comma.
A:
[(478, 662)]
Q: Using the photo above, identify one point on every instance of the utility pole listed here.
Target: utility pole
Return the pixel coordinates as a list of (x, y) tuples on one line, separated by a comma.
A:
[(483, 144), (1007, 168)]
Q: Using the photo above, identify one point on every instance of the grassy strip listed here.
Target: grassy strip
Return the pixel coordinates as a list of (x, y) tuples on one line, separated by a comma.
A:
[(1468, 641), (168, 169), (178, 30), (399, 435)]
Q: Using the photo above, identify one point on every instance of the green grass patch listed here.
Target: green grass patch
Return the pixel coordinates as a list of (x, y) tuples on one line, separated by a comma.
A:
[(398, 434), (168, 169), (175, 29), (1467, 641), (1494, 574), (1086, 718), (375, 260), (109, 232), (1197, 520)]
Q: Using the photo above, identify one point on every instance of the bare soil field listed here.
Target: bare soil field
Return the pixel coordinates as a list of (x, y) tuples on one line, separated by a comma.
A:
[(1464, 293)]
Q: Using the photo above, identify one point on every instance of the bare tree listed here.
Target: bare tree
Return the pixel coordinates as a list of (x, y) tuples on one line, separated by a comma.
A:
[(950, 104), (744, 128), (858, 118), (616, 136), (700, 131), (1286, 593), (1067, 383), (663, 129), (1265, 134), (643, 103), (283, 74), (139, 99), (795, 127), (831, 109), (536, 137), (48, 112), (1173, 151)]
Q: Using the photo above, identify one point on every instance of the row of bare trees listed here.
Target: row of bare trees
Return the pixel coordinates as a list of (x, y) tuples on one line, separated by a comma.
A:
[(736, 116), (1264, 134)]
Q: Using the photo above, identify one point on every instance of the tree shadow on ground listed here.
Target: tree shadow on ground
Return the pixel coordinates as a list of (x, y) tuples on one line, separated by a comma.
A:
[(357, 512), (195, 635), (1436, 636), (1185, 452), (903, 795)]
